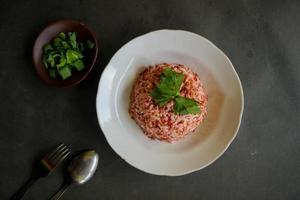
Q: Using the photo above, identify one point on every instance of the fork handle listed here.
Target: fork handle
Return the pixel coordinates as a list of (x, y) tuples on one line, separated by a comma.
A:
[(21, 192)]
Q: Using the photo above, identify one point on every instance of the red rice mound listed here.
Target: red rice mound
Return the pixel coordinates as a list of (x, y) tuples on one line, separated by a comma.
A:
[(162, 123)]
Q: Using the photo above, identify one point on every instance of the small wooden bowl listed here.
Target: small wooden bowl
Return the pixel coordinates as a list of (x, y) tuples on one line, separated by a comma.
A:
[(46, 36)]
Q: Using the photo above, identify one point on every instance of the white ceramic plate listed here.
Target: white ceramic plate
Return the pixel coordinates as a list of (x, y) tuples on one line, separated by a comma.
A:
[(211, 139)]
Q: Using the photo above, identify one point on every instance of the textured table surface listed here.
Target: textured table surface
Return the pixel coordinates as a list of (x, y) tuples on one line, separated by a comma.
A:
[(260, 37)]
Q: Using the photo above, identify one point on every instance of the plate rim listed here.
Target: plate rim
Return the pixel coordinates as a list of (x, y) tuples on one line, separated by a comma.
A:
[(240, 114)]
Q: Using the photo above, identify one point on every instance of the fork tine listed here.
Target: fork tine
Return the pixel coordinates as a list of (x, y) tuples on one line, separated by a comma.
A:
[(63, 156), (60, 157), (52, 153), (58, 152)]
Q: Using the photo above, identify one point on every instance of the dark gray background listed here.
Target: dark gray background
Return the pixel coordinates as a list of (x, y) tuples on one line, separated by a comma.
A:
[(260, 37)]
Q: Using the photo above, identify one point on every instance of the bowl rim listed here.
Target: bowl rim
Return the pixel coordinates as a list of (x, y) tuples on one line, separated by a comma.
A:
[(89, 68), (239, 117)]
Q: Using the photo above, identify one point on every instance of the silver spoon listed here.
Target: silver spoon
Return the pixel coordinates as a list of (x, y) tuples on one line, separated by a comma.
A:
[(80, 170)]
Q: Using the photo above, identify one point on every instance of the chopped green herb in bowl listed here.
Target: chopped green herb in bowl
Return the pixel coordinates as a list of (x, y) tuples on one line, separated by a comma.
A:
[(65, 55)]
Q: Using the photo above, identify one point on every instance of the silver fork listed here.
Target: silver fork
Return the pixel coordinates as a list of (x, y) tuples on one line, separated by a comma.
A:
[(46, 165)]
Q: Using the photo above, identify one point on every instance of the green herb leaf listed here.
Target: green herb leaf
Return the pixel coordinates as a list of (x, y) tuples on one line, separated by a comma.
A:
[(45, 62), (160, 98), (53, 58), (53, 73), (89, 44), (62, 61), (168, 87), (78, 64), (62, 35), (47, 48), (185, 106), (72, 39), (56, 42), (80, 46), (65, 72), (73, 44), (72, 36), (65, 45), (72, 56)]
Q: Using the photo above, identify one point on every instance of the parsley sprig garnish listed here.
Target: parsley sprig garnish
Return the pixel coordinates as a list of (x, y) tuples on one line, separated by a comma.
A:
[(168, 89)]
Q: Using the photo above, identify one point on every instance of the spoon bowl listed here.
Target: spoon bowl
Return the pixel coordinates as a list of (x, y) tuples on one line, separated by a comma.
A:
[(82, 167)]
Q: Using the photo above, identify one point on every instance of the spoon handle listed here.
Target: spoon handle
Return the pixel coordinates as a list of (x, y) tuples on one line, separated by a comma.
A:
[(60, 192)]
